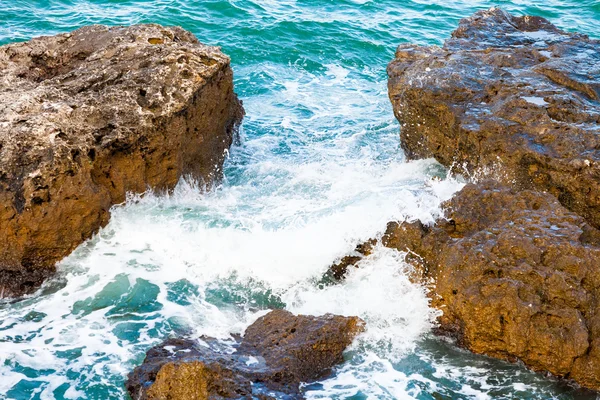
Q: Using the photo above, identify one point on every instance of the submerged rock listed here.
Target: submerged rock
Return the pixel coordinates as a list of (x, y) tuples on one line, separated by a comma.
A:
[(277, 353), (88, 116), (514, 97)]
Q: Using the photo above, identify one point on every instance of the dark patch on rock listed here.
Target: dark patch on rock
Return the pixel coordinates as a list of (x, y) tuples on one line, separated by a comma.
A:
[(276, 354), (86, 117), (515, 98), (22, 281)]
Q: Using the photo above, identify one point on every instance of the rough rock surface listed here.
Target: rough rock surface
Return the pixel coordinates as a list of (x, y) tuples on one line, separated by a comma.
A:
[(277, 353), (516, 275), (338, 270), (88, 116), (515, 96)]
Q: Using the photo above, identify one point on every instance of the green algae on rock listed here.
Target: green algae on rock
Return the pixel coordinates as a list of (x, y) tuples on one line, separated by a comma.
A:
[(88, 116)]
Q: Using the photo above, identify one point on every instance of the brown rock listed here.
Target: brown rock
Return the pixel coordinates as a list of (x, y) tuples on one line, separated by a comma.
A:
[(303, 347), (339, 269), (194, 380), (276, 354), (183, 369), (511, 97), (88, 116), (516, 278), (402, 236)]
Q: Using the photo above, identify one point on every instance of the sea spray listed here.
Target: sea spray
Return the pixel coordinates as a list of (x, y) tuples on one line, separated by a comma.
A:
[(318, 169)]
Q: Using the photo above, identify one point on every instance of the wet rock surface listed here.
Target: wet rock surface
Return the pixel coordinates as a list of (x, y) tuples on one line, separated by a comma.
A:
[(277, 352), (516, 275), (512, 97), (338, 270), (88, 116)]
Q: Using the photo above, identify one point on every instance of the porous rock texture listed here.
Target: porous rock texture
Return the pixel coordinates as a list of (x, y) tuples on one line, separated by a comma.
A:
[(516, 276), (89, 116), (512, 96), (278, 352)]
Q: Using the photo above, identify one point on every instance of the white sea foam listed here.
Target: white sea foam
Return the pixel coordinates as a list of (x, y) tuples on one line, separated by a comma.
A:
[(270, 231), (538, 101), (318, 170), (146, 242)]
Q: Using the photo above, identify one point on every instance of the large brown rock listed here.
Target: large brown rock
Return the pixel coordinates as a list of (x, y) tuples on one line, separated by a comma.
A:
[(88, 116), (512, 97), (516, 275), (277, 353)]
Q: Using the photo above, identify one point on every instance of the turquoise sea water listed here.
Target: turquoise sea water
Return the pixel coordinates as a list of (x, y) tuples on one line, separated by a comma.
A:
[(317, 170)]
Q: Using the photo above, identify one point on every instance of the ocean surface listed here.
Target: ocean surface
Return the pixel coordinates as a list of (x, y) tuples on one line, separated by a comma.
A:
[(317, 169)]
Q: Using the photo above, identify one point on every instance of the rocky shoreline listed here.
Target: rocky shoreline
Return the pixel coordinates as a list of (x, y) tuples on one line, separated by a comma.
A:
[(91, 115), (514, 264), (511, 103)]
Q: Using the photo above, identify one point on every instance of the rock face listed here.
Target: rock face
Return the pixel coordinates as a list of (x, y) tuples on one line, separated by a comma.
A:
[(276, 354), (516, 275), (88, 116), (514, 96)]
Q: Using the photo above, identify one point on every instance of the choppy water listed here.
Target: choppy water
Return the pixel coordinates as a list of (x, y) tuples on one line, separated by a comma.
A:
[(318, 169)]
